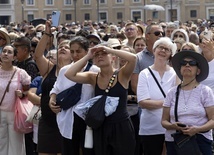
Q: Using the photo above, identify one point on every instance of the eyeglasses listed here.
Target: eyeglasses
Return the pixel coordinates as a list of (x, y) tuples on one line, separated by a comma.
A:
[(191, 63), (2, 38), (117, 47), (180, 36), (94, 42), (164, 48), (129, 29), (157, 33)]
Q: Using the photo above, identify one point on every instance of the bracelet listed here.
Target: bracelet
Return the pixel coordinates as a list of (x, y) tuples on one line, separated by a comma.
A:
[(48, 34)]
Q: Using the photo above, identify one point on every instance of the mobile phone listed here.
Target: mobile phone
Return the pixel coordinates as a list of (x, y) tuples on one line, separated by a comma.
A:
[(207, 34), (181, 125), (55, 18)]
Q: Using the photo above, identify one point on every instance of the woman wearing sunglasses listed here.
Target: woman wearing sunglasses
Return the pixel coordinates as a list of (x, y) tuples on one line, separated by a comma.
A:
[(195, 109)]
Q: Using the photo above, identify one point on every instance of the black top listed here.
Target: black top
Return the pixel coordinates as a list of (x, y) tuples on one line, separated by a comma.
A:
[(47, 114), (116, 91), (29, 66)]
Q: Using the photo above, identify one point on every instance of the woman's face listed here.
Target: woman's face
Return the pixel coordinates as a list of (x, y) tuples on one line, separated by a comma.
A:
[(179, 35), (64, 52), (77, 52), (102, 58), (7, 54), (139, 45), (187, 47), (162, 51), (189, 68)]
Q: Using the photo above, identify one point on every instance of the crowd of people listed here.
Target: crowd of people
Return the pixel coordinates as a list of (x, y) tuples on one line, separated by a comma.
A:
[(152, 59)]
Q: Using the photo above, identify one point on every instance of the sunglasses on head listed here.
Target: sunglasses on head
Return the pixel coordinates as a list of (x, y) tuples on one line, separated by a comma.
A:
[(180, 36), (157, 33), (94, 42), (2, 38), (191, 63)]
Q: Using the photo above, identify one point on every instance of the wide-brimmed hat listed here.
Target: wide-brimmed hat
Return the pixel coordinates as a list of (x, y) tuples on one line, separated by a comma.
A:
[(202, 63), (4, 32)]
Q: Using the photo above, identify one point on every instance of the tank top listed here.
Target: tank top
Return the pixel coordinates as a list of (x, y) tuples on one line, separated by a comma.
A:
[(47, 114), (116, 91)]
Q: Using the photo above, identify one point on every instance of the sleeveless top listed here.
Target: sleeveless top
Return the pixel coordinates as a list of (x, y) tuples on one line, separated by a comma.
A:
[(116, 91), (47, 114)]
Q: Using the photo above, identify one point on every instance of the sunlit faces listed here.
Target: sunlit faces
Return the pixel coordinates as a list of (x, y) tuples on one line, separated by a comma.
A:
[(178, 35), (139, 45), (77, 52), (102, 57), (7, 54)]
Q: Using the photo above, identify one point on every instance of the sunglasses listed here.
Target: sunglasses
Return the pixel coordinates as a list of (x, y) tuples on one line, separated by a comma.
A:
[(157, 33), (191, 63), (180, 36), (2, 38), (94, 42), (117, 47), (129, 29)]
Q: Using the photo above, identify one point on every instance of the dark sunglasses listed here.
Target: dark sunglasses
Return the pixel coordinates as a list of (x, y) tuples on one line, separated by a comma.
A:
[(94, 42), (180, 36), (191, 63), (157, 33), (117, 47), (2, 38)]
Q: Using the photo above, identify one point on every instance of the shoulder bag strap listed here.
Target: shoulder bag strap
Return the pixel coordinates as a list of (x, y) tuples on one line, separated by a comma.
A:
[(88, 67), (176, 103), (157, 82), (7, 88)]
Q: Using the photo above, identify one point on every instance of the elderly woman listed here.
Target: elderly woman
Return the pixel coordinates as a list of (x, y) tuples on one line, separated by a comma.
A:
[(195, 109), (150, 97), (180, 33)]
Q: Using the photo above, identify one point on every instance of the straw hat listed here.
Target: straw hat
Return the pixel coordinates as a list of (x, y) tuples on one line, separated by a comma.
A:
[(4, 32)]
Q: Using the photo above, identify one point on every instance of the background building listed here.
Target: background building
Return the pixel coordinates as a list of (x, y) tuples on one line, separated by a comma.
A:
[(105, 10)]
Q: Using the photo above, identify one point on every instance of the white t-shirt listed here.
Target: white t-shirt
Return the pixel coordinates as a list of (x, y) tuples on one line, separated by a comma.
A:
[(150, 120)]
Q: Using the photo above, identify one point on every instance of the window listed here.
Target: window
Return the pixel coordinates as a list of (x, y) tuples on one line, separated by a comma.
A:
[(103, 16), (154, 0), (49, 2), (87, 16), (30, 17), (155, 14), (119, 1), (4, 2), (136, 14), (136, 1), (48, 16), (67, 2), (193, 13), (86, 1), (30, 2), (119, 15), (102, 1), (68, 17)]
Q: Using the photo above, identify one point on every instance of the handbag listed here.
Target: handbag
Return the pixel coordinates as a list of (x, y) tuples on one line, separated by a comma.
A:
[(35, 115), (22, 110), (184, 144), (96, 114), (69, 97)]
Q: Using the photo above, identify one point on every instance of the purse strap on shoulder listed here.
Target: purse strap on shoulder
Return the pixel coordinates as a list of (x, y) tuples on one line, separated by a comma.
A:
[(111, 81), (176, 102), (157, 82), (8, 85)]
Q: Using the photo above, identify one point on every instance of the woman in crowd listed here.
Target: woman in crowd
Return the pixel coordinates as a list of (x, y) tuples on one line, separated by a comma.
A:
[(49, 137), (180, 33), (12, 142), (195, 103), (139, 44), (150, 97), (74, 135), (116, 135), (189, 46)]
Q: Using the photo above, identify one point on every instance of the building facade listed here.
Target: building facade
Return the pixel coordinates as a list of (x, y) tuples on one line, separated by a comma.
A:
[(113, 11)]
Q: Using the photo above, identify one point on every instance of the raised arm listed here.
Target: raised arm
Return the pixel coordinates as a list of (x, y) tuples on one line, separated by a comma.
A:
[(42, 62)]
